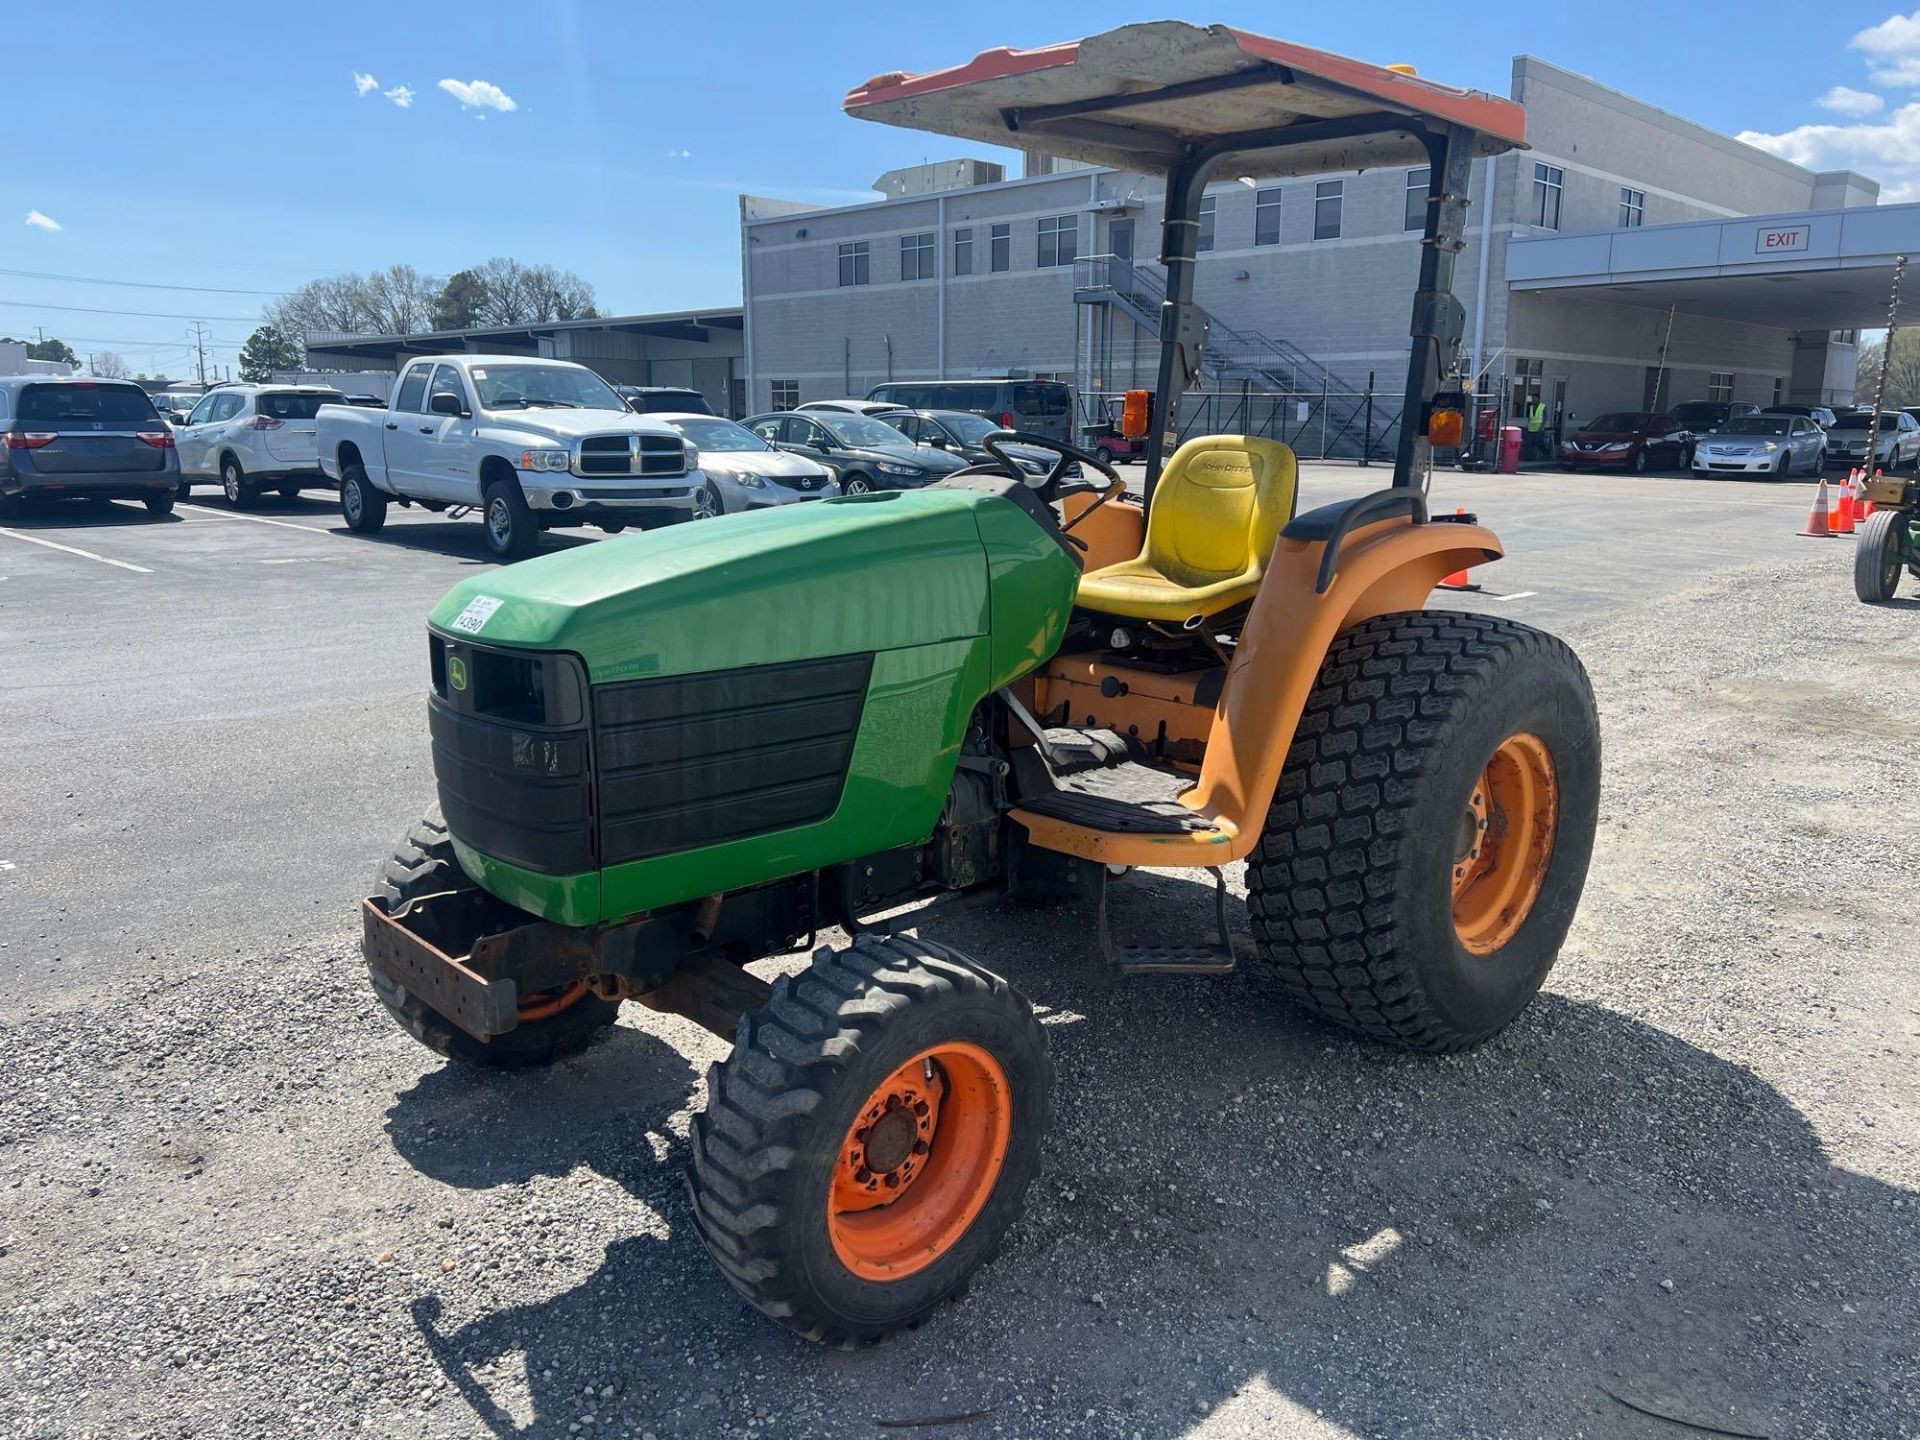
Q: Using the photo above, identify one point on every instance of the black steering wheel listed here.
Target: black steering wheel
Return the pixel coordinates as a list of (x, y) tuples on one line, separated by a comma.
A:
[(1055, 483)]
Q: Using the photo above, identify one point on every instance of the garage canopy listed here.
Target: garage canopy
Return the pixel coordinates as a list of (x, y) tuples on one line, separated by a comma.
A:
[(1811, 270), (1141, 96)]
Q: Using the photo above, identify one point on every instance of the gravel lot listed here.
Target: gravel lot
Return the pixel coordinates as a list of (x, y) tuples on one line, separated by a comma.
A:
[(238, 1201)]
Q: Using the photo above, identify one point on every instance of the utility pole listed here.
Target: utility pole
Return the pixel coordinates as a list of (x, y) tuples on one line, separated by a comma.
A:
[(199, 333)]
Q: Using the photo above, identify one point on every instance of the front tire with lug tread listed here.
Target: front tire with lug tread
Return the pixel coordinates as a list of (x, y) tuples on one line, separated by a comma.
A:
[(871, 1138), (363, 507), (1878, 553), (553, 1025), (512, 531), (1429, 837)]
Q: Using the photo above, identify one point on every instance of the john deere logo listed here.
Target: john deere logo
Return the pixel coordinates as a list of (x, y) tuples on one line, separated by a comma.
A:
[(456, 672)]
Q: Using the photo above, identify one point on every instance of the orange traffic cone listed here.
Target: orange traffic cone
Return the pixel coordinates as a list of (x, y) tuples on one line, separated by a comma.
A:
[(1817, 519), (1840, 521), (1459, 579)]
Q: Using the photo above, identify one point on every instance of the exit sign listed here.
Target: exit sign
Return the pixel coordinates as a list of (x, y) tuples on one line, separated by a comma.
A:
[(1774, 241)]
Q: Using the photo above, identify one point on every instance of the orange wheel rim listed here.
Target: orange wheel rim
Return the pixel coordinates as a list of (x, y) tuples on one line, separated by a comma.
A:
[(545, 1004), (1505, 843), (919, 1162)]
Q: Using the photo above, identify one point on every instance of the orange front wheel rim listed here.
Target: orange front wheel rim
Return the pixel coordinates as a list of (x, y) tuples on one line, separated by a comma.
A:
[(1505, 843), (545, 1004), (920, 1161)]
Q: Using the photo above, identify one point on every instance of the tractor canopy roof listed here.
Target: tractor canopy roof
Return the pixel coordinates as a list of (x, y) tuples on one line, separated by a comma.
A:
[(1142, 96)]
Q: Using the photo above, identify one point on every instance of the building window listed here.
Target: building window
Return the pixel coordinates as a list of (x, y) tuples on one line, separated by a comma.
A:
[(1547, 180), (1779, 389), (1845, 337), (1203, 242), (1266, 217), (963, 250), (853, 262), (1000, 247), (1059, 236), (1328, 196), (786, 394), (917, 256), (1633, 208), (1417, 182), (1720, 385)]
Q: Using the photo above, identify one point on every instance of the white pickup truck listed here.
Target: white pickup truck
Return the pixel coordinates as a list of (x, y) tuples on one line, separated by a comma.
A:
[(532, 444)]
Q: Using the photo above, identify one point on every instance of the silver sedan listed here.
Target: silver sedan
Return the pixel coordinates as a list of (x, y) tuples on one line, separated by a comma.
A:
[(744, 472), (1779, 445)]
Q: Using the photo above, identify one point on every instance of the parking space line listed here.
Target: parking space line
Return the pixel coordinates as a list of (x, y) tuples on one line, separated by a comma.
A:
[(76, 550), (256, 519), (1513, 595)]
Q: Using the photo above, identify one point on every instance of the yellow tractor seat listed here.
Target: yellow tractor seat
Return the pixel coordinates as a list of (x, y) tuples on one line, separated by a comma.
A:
[(1220, 505)]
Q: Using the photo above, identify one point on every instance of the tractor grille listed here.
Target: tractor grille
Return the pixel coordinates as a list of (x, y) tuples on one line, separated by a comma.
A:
[(694, 760)]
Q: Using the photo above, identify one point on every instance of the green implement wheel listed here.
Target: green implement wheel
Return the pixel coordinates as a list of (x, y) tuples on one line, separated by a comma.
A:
[(1883, 548)]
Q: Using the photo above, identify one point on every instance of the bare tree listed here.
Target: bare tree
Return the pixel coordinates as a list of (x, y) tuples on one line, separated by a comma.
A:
[(517, 294), (109, 366), (402, 299), (1903, 370)]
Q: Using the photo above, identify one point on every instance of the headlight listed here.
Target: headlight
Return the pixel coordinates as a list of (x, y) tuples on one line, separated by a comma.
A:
[(751, 482), (1032, 467), (690, 454), (887, 467), (1616, 445), (546, 460), (1770, 446)]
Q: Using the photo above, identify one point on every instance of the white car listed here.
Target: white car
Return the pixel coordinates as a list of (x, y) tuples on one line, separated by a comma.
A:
[(1780, 445), (744, 471), (252, 438)]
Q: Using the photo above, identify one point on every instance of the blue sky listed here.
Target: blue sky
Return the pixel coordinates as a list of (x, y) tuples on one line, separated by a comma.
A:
[(233, 148)]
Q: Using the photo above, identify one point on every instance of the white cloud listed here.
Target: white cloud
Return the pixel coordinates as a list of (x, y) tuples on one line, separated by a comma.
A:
[(1845, 100), (1888, 150), (479, 94), (400, 95), (679, 154), (1893, 50), (363, 83), (42, 222)]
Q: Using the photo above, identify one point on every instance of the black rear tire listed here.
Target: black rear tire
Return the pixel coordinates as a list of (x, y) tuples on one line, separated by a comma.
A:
[(1877, 556), (241, 492), (512, 531), (1351, 888), (161, 504), (769, 1144), (425, 864), (363, 507)]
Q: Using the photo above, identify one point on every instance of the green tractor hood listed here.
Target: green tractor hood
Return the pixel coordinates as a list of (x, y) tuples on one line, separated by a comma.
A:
[(857, 574), (769, 693)]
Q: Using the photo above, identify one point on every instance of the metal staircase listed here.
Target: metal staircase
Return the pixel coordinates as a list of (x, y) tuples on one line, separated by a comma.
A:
[(1347, 418)]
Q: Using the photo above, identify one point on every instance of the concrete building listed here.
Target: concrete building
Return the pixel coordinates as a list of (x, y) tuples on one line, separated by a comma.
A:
[(1308, 281), (698, 348)]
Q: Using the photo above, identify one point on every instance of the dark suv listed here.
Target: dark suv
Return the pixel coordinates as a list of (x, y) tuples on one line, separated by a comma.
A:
[(84, 439), (663, 400)]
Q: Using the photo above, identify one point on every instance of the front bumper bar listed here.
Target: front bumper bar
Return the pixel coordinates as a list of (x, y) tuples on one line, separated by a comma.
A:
[(480, 1006)]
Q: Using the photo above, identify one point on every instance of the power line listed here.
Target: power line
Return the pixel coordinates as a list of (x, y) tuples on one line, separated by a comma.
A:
[(141, 314), (141, 284)]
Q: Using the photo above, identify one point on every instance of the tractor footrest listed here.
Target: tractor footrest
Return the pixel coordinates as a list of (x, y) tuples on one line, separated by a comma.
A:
[(1189, 959), (1071, 751)]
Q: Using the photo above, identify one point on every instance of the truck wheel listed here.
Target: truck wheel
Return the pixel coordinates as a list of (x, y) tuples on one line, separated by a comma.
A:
[(512, 532), (363, 507), (1430, 833), (553, 1023), (871, 1138), (241, 492), (1879, 555)]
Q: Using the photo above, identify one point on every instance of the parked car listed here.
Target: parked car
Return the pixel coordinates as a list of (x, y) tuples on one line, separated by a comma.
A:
[(532, 444), (864, 454), (83, 439), (1819, 414), (851, 407), (1704, 417), (372, 402), (962, 433), (747, 473), (176, 405), (1775, 445), (252, 438), (1039, 407), (663, 399), (1635, 440), (1898, 443)]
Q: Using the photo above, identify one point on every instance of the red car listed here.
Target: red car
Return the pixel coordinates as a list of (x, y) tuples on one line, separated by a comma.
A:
[(1626, 440)]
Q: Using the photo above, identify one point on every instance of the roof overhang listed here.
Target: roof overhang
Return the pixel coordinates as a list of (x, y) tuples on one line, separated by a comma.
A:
[(1141, 97)]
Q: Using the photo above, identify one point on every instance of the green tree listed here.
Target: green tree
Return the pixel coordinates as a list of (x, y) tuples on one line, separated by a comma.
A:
[(48, 349), (460, 302), (266, 351)]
